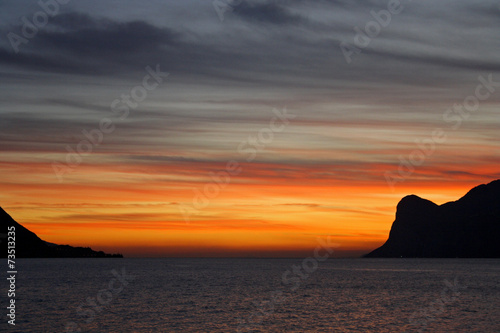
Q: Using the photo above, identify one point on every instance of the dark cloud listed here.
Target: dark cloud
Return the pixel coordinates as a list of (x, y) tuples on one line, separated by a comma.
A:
[(35, 61), (457, 61), (264, 43), (270, 12), (81, 44), (87, 36), (73, 21), (274, 53)]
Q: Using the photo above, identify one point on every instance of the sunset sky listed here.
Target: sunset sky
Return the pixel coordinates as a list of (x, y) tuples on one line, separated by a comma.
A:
[(274, 126)]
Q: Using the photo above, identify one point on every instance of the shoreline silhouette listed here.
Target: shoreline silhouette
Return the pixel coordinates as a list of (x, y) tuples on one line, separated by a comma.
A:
[(466, 228)]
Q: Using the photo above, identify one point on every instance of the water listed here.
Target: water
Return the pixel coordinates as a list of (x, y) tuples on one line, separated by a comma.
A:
[(248, 295)]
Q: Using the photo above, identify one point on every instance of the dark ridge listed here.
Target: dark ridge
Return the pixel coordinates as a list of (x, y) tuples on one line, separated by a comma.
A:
[(29, 245), (466, 228)]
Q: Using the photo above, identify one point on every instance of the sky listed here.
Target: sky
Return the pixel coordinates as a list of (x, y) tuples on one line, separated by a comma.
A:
[(241, 128)]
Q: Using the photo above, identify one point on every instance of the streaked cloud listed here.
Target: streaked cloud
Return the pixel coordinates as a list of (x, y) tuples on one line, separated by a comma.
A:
[(326, 169)]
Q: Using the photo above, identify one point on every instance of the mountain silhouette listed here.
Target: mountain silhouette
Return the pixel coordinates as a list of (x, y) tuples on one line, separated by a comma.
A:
[(466, 228), (29, 245)]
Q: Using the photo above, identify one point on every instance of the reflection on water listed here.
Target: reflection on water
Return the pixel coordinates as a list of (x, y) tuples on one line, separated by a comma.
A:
[(227, 295)]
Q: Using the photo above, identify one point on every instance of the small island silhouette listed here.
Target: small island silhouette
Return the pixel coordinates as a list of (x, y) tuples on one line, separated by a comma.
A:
[(29, 245), (466, 228)]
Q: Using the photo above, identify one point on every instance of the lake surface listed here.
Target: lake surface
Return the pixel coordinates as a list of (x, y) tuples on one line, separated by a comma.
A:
[(256, 295)]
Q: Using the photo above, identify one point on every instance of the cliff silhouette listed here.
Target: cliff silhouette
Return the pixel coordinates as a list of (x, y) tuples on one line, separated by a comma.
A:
[(466, 228), (29, 245)]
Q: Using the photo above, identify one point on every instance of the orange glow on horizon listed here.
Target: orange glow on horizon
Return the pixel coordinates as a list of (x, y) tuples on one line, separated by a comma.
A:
[(248, 217)]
